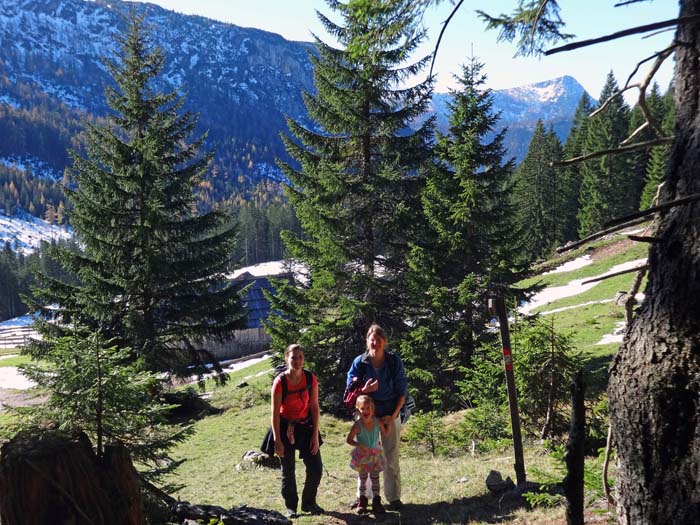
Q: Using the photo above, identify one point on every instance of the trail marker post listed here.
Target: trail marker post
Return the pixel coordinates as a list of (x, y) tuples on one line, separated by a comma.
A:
[(497, 307)]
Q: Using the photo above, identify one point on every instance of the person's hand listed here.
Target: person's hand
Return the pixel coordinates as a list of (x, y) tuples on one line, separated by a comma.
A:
[(371, 385), (279, 448), (314, 444), (290, 433), (363, 448)]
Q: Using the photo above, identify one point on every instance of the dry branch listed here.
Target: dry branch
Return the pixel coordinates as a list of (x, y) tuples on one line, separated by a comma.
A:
[(650, 211), (640, 238), (599, 234), (442, 31), (614, 151), (615, 274), (627, 32)]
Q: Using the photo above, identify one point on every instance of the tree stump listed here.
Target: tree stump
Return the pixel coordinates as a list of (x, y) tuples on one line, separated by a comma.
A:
[(49, 477)]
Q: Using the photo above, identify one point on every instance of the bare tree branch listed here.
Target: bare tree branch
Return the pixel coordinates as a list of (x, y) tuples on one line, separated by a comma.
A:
[(442, 32), (599, 234), (614, 151), (636, 132), (612, 97), (628, 2), (615, 274), (661, 207), (627, 32), (661, 57), (643, 238)]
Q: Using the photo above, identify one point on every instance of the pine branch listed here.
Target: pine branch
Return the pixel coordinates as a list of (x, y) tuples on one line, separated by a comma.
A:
[(615, 151), (627, 32)]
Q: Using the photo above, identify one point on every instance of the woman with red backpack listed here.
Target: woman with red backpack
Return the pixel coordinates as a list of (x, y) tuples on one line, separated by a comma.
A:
[(294, 422)]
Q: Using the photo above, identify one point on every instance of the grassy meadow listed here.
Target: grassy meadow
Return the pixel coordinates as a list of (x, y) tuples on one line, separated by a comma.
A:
[(446, 489)]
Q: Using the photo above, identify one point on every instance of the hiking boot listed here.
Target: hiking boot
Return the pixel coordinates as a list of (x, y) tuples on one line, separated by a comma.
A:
[(290, 513), (395, 505), (314, 508), (360, 505), (377, 506)]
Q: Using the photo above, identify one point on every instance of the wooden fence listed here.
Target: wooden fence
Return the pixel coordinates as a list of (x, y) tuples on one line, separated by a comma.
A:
[(243, 343), (17, 337)]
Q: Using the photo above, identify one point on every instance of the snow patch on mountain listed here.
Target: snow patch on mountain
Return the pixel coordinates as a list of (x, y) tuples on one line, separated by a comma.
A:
[(25, 233)]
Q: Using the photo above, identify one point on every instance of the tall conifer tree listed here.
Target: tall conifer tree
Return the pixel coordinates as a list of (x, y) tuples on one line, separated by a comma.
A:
[(355, 190), (152, 272), (471, 246), (639, 160), (658, 159), (571, 175), (605, 183), (539, 195)]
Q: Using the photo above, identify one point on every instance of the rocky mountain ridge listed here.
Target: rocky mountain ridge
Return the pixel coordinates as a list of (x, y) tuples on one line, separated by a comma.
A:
[(242, 82)]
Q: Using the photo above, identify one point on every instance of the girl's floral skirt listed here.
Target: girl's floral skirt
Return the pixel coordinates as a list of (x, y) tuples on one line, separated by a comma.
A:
[(368, 460)]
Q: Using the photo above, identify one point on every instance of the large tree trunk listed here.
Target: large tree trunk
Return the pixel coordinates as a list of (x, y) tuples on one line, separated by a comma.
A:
[(654, 385)]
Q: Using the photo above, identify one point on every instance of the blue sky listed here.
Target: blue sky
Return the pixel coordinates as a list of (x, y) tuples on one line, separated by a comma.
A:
[(296, 20)]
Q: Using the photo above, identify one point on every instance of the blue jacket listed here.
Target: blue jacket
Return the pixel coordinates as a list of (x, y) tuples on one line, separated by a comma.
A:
[(391, 376)]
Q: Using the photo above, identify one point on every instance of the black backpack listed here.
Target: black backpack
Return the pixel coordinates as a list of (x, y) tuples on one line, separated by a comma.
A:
[(280, 370)]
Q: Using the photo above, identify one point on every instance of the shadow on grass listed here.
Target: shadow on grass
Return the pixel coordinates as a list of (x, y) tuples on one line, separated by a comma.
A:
[(482, 509), (596, 375)]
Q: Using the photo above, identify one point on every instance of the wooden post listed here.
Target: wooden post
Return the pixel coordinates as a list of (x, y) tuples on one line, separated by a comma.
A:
[(497, 307), (575, 448)]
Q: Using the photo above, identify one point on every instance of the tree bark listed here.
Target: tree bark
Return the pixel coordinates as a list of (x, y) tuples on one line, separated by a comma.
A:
[(47, 477), (654, 387)]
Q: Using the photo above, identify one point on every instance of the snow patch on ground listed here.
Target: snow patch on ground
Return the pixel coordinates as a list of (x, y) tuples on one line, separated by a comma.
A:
[(557, 310), (11, 377), (617, 335), (574, 287), (582, 261)]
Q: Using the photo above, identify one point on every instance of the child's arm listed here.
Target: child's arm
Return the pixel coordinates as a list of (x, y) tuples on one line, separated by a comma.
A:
[(351, 436), (384, 425)]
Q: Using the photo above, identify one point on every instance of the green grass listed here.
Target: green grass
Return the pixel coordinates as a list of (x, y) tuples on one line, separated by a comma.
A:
[(9, 351), (15, 361), (637, 251)]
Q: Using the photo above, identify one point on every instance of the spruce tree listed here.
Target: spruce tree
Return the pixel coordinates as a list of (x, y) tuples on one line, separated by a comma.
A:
[(355, 187), (658, 158), (639, 160), (571, 175), (539, 195), (472, 245), (605, 183), (152, 271)]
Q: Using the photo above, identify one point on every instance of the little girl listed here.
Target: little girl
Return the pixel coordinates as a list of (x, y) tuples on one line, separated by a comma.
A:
[(367, 458)]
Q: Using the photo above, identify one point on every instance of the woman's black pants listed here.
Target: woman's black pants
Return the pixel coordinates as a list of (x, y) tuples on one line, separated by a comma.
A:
[(312, 462), (314, 471)]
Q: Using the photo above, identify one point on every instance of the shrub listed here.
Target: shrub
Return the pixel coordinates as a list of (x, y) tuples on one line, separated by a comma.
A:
[(427, 430)]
